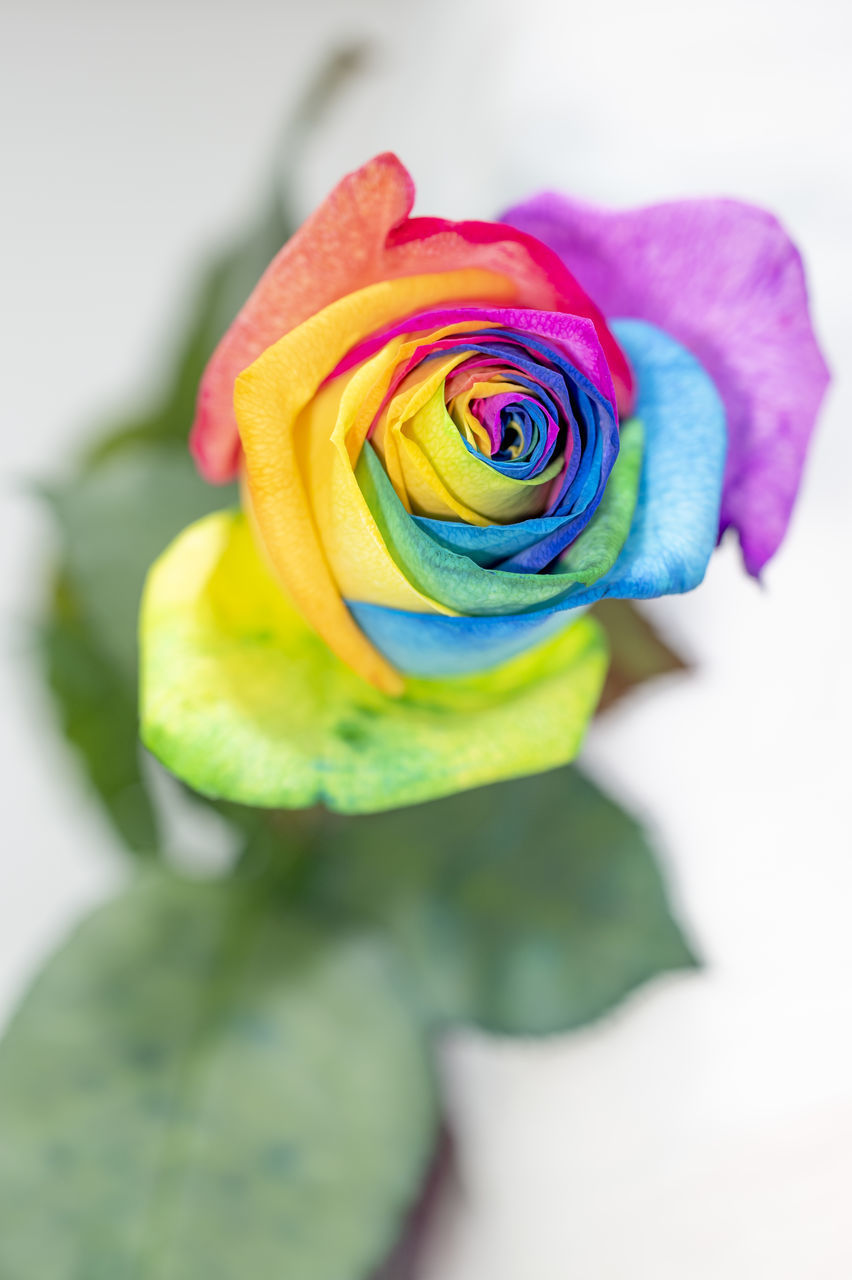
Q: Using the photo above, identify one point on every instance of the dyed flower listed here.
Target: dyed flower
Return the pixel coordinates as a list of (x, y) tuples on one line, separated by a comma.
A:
[(447, 454)]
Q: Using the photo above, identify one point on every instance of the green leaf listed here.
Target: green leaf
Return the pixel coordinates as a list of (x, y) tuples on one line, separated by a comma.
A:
[(99, 718), (201, 1085), (242, 700), (113, 522), (529, 907), (637, 650)]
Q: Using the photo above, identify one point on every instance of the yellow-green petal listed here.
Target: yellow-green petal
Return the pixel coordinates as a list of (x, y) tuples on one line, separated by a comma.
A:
[(243, 701), (458, 582)]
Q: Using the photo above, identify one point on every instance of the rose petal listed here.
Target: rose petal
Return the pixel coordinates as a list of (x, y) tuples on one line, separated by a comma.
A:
[(673, 533), (671, 538), (458, 582), (276, 400), (724, 278), (358, 236), (243, 701)]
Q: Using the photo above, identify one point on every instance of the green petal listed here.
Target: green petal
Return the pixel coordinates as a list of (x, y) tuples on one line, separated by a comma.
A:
[(243, 701), (459, 583), (599, 545)]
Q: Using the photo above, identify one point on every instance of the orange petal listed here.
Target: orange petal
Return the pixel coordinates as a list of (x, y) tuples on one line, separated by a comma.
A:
[(360, 235), (339, 250)]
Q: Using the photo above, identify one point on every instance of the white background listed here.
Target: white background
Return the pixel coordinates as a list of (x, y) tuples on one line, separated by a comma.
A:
[(705, 1130)]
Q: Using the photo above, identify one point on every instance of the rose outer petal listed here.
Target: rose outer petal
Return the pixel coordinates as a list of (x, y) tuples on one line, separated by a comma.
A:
[(671, 538), (361, 234), (243, 701), (725, 279)]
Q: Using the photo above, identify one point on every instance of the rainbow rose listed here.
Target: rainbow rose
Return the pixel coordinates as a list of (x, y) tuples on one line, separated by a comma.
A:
[(447, 454)]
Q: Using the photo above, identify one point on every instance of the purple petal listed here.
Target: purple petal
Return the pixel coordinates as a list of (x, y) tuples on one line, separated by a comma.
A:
[(725, 279)]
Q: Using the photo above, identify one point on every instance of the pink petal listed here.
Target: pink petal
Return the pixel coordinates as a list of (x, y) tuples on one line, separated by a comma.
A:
[(361, 234)]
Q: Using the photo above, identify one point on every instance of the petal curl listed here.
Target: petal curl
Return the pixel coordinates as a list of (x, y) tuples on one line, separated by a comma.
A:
[(361, 234), (726, 280), (671, 537), (462, 585), (580, 361), (242, 700), (442, 476)]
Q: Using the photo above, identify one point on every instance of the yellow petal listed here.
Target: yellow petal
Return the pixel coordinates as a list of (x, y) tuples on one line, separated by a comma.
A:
[(269, 399)]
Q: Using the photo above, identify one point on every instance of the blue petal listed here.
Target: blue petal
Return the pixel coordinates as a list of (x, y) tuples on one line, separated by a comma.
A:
[(669, 545), (431, 644), (676, 524), (489, 544)]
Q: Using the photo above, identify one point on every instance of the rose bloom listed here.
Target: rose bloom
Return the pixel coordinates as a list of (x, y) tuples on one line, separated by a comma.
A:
[(453, 437)]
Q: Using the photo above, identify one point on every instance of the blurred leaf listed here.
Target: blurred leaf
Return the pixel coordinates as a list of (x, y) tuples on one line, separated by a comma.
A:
[(201, 1085), (99, 717), (637, 651), (529, 907), (137, 488), (114, 521), (224, 287)]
